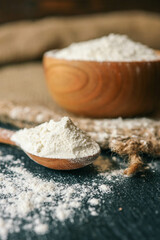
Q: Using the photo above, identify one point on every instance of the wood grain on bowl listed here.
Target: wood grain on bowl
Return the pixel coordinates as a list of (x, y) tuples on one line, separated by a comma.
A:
[(103, 89)]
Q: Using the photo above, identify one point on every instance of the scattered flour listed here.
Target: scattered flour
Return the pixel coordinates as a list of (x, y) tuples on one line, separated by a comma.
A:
[(41, 229), (104, 188), (113, 47), (27, 200), (57, 140), (94, 201)]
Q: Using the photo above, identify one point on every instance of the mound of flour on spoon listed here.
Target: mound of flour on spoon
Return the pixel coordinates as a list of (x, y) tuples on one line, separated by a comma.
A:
[(114, 47), (56, 140)]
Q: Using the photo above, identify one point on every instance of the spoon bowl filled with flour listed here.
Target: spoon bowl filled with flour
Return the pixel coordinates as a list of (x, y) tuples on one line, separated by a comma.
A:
[(107, 77), (57, 145)]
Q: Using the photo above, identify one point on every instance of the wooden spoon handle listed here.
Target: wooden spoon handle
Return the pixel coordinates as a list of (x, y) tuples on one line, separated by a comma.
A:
[(5, 136)]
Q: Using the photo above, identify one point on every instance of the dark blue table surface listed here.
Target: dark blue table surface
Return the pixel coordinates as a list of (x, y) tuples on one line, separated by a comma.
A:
[(130, 211)]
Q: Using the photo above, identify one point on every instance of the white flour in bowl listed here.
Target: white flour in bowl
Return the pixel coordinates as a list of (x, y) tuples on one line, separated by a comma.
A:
[(113, 47), (56, 140)]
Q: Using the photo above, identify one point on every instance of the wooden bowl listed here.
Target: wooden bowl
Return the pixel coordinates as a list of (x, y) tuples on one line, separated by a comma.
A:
[(104, 89)]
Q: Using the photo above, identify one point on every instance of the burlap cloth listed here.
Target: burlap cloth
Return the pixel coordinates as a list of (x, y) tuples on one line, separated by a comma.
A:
[(24, 99)]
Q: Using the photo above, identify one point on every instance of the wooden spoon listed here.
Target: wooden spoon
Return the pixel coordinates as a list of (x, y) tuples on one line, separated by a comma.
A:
[(58, 164)]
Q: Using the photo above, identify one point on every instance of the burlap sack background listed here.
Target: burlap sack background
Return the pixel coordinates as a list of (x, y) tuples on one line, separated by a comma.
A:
[(24, 82), (24, 99), (28, 40)]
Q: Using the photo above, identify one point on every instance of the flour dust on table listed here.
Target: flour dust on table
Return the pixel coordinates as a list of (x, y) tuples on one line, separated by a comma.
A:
[(27, 200)]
